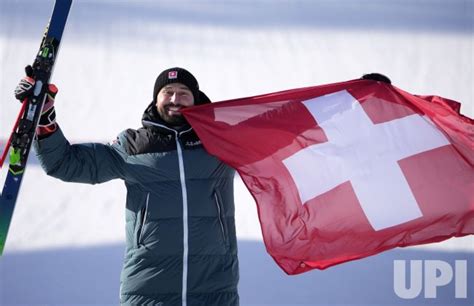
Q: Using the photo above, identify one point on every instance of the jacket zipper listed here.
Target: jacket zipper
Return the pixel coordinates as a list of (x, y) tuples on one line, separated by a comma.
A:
[(144, 213), (219, 216), (184, 193), (185, 221)]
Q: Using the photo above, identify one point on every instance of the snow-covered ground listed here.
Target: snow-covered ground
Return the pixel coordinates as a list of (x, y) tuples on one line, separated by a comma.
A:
[(66, 240)]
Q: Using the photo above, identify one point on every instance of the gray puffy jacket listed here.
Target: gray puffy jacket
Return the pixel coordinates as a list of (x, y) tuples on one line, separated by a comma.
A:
[(180, 232)]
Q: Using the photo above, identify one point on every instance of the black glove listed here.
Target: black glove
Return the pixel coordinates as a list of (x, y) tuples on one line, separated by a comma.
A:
[(376, 77), (26, 86), (47, 123)]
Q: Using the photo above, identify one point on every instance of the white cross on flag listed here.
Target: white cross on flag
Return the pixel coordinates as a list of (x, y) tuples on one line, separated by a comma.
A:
[(346, 170)]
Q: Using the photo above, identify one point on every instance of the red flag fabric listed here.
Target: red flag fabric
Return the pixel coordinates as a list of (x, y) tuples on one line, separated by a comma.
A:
[(346, 170)]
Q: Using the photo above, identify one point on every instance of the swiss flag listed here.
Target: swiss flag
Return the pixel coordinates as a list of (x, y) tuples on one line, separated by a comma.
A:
[(346, 170)]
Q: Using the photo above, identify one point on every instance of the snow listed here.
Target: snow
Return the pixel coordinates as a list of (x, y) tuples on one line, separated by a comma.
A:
[(66, 240)]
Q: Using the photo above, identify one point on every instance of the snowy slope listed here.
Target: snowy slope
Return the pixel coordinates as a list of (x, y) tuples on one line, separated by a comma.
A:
[(66, 240)]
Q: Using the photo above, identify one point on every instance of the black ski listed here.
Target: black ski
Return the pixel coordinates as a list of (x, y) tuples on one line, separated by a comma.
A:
[(24, 131)]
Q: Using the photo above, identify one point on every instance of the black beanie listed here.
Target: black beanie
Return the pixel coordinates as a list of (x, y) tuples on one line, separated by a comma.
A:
[(177, 75)]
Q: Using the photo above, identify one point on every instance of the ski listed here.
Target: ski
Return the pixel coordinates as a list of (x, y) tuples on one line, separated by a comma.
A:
[(24, 131)]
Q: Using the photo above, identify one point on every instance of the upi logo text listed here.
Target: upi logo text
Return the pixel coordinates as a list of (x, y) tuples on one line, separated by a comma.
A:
[(431, 274)]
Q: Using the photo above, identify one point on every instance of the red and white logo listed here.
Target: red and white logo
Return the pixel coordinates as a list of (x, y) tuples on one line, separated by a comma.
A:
[(172, 75)]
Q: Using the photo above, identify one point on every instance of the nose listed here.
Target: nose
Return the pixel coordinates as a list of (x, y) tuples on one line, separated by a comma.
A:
[(174, 98)]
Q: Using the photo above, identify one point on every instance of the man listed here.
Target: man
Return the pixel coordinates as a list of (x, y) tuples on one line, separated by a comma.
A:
[(180, 231)]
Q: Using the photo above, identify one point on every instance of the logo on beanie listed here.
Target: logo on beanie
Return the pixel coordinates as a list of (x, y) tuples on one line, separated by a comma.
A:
[(173, 75)]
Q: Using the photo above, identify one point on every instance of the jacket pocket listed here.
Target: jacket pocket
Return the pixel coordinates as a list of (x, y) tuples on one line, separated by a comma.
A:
[(221, 217), (142, 218)]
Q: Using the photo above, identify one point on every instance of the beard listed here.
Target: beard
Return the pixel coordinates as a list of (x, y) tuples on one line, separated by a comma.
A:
[(171, 119)]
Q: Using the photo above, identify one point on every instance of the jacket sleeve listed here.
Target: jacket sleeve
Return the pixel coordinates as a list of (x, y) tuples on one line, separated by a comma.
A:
[(90, 163)]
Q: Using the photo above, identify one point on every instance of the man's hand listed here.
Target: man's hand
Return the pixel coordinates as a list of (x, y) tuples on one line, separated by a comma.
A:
[(47, 123), (26, 86), (377, 77)]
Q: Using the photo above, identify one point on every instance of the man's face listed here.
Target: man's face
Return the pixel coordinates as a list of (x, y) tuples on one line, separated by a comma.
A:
[(170, 100)]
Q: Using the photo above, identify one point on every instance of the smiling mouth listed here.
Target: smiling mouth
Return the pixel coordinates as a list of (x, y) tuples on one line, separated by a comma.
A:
[(173, 110)]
